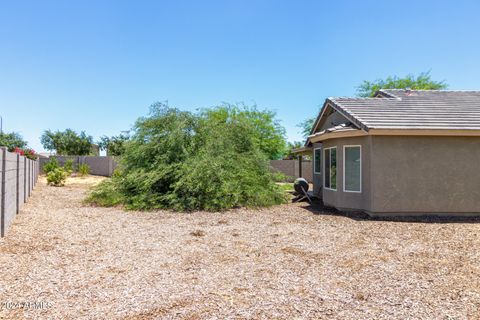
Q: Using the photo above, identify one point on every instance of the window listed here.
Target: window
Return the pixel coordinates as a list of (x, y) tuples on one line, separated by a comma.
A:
[(352, 169), (330, 170), (317, 160)]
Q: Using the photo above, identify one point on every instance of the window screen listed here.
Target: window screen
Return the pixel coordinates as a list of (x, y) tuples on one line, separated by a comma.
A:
[(333, 168), (326, 173), (317, 160), (330, 173), (352, 169)]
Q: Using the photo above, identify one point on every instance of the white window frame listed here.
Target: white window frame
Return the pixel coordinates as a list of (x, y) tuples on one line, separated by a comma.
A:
[(330, 171), (315, 160), (344, 161)]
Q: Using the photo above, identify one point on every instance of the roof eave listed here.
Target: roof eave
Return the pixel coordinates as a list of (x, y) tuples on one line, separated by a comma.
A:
[(302, 150), (331, 102), (338, 134), (348, 116)]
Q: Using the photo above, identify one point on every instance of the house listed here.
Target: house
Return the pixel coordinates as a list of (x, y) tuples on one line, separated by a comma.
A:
[(402, 152)]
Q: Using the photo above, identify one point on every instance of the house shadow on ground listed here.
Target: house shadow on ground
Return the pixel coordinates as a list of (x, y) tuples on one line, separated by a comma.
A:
[(318, 208)]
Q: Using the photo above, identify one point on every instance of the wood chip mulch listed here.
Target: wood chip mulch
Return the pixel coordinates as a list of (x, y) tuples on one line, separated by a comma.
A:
[(287, 262)]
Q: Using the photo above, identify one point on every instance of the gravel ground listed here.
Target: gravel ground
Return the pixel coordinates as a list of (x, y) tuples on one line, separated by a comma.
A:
[(287, 262)]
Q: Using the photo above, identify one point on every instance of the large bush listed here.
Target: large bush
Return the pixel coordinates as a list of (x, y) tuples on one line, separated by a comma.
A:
[(214, 160)]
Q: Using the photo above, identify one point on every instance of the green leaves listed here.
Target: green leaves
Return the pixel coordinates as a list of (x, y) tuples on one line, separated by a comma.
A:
[(422, 82), (115, 146), (12, 140), (51, 165), (213, 160), (306, 126), (57, 177), (67, 142), (83, 170)]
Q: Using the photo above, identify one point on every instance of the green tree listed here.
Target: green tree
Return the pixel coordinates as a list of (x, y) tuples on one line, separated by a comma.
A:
[(115, 145), (289, 152), (421, 82), (12, 140), (212, 160), (306, 126), (67, 142), (267, 132)]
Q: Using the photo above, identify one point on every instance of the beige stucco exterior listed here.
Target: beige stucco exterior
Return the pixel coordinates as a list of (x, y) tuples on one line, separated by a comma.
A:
[(409, 175), (350, 200), (424, 175)]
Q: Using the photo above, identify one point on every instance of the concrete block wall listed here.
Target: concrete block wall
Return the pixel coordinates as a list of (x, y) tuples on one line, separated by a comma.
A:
[(99, 166), (307, 170), (104, 166), (22, 177), (18, 176), (291, 168)]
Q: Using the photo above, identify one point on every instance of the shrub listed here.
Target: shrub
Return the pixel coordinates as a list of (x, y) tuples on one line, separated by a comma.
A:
[(27, 152), (83, 169), (51, 166), (213, 161), (287, 187), (30, 154), (69, 166), (282, 177), (57, 177), (105, 194)]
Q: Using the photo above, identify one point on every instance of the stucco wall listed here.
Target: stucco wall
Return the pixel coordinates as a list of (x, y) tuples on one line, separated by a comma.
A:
[(425, 175), (349, 200)]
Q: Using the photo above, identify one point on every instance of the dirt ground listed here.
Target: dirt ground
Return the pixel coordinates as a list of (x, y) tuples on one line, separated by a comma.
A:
[(65, 260)]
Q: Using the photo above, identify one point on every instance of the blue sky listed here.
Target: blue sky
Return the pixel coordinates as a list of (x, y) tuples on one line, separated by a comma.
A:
[(98, 65)]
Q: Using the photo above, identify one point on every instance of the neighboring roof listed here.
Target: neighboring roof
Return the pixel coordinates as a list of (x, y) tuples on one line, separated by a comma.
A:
[(44, 154), (412, 109)]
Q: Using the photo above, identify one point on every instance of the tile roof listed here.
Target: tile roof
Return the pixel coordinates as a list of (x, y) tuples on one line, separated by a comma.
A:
[(339, 128), (413, 109)]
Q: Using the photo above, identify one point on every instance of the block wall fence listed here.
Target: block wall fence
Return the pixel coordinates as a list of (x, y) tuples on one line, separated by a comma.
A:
[(291, 168), (104, 166), (18, 176), (99, 166)]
